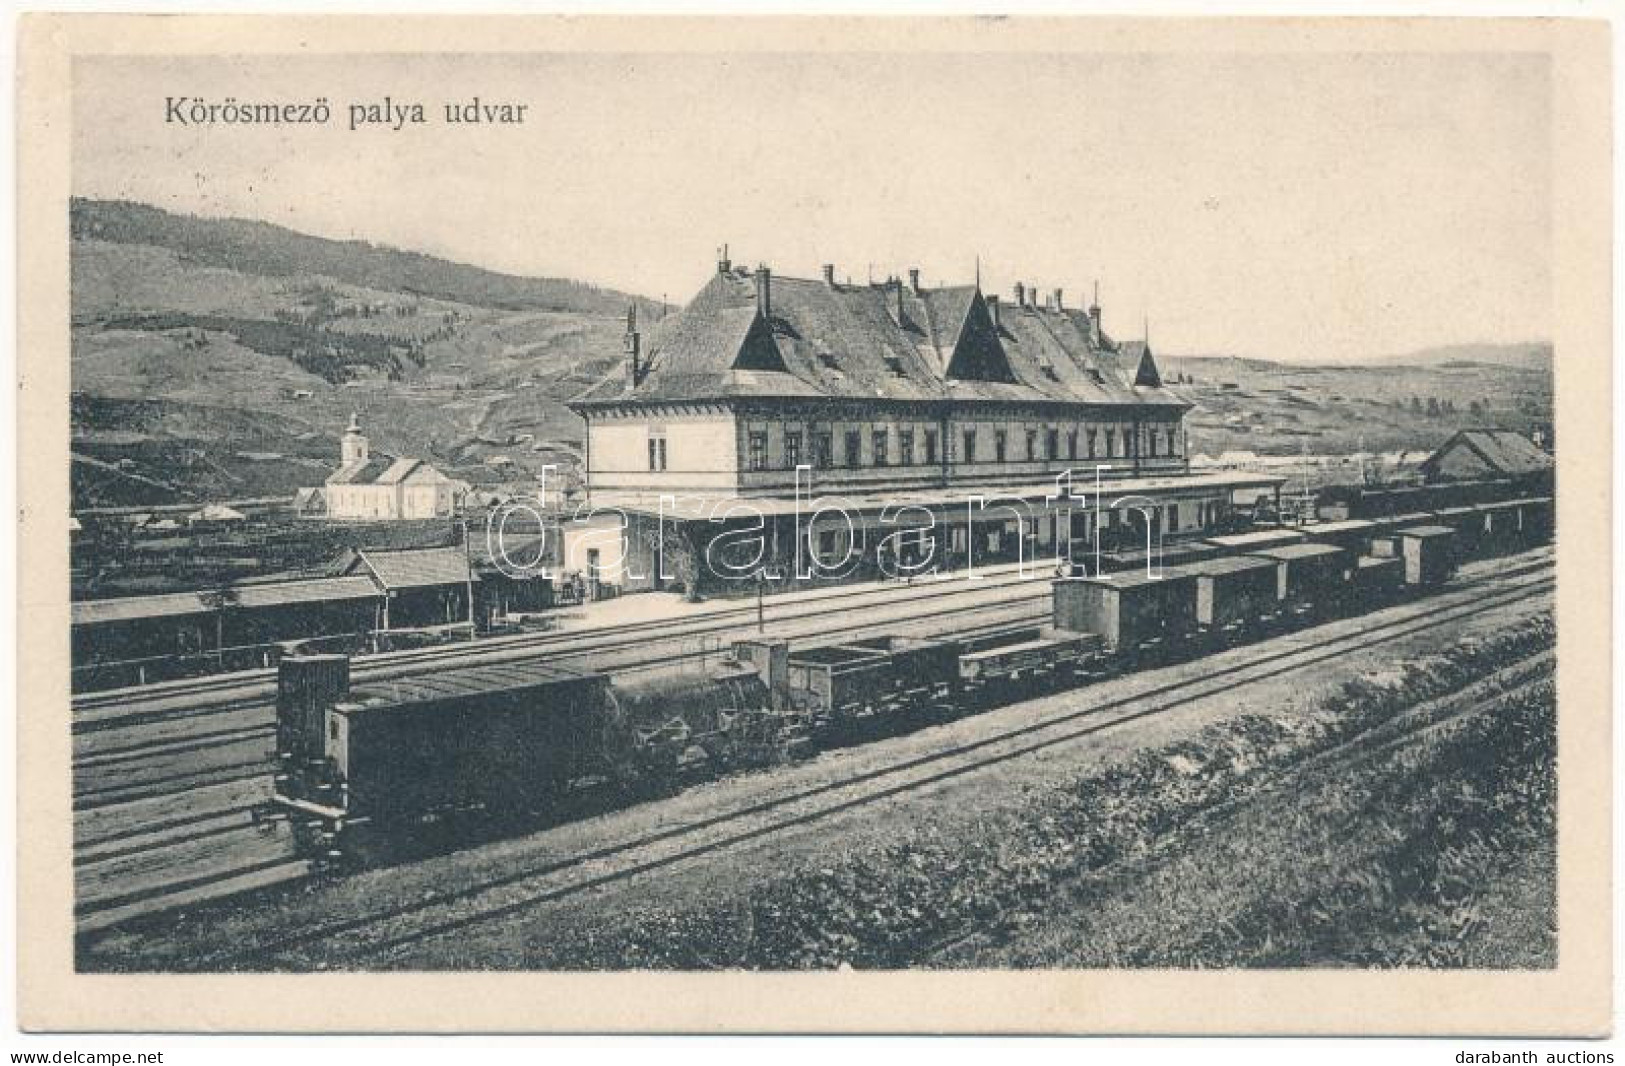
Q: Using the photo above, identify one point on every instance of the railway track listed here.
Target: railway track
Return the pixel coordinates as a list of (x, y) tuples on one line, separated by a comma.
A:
[(384, 933), (138, 769), (111, 708), (1484, 696), (147, 834)]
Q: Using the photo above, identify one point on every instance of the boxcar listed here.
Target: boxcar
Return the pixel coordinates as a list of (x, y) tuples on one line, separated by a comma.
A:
[(1468, 522), (1429, 554), (1374, 581), (1307, 575), (1129, 610), (497, 736), (1503, 525), (1240, 590), (1535, 518), (1180, 554)]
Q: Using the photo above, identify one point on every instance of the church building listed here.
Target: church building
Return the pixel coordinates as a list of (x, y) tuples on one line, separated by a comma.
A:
[(377, 487)]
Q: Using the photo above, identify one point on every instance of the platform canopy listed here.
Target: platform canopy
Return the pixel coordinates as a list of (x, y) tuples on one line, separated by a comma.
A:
[(705, 506)]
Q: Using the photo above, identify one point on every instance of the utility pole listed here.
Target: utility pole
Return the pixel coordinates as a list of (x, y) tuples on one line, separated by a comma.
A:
[(761, 606), (468, 562)]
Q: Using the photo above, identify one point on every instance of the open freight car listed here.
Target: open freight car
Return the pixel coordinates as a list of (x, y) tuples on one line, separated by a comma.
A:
[(840, 683)]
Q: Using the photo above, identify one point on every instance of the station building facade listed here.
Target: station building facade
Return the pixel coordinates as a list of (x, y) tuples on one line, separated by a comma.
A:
[(768, 397)]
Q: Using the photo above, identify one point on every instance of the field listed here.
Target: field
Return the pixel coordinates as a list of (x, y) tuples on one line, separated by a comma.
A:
[(1253, 405)]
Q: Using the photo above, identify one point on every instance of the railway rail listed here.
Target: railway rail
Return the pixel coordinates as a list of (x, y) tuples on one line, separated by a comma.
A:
[(91, 791), (391, 929), (96, 709), (148, 833), (1506, 684)]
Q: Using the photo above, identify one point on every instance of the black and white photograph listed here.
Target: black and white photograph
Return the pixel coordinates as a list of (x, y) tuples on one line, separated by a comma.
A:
[(735, 508)]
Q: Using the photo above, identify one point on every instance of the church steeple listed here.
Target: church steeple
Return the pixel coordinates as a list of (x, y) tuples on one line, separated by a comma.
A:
[(353, 447)]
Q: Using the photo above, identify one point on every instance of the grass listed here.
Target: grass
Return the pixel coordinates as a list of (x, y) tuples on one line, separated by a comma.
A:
[(1262, 841)]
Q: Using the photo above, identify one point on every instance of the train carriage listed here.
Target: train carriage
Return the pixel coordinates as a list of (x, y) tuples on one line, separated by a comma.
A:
[(1429, 553), (841, 682), (1246, 543), (1028, 656), (1374, 581), (1132, 612), (1353, 535), (1309, 577), (1232, 593)]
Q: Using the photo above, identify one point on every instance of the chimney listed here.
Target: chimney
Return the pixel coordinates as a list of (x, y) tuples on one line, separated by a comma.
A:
[(1021, 295), (633, 342), (1059, 306), (896, 301), (723, 265), (914, 280), (829, 275), (993, 310), (764, 292)]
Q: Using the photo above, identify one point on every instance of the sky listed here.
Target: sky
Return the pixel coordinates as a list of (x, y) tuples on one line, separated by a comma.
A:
[(1319, 206)]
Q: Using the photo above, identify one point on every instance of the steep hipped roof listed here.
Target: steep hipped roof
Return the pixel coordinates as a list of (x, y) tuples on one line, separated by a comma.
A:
[(1502, 450), (883, 341)]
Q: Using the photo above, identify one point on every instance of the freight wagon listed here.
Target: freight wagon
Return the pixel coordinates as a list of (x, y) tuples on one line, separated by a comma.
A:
[(513, 737), (1133, 613), (1234, 593), (1309, 577)]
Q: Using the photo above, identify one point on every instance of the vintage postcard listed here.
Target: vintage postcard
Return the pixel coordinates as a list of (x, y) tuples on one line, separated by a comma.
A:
[(1078, 525)]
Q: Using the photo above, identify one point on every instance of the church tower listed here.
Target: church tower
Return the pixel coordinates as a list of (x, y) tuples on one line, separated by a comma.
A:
[(353, 449)]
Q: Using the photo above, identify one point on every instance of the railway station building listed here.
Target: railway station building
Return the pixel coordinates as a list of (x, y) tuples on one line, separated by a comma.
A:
[(818, 428)]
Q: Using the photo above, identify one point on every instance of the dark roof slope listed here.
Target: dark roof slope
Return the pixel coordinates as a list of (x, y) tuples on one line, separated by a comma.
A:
[(1502, 450), (882, 341)]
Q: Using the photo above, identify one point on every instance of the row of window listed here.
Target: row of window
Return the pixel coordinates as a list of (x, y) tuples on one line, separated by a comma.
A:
[(1089, 444)]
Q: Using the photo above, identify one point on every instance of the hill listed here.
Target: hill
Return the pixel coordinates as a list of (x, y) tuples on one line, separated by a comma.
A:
[(180, 322), (1532, 356), (260, 248), (1276, 408)]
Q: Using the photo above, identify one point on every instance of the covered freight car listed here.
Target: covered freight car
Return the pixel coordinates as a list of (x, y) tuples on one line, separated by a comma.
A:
[(1353, 535), (501, 737), (1130, 610), (1308, 576), (1233, 592), (1374, 581), (1429, 553)]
